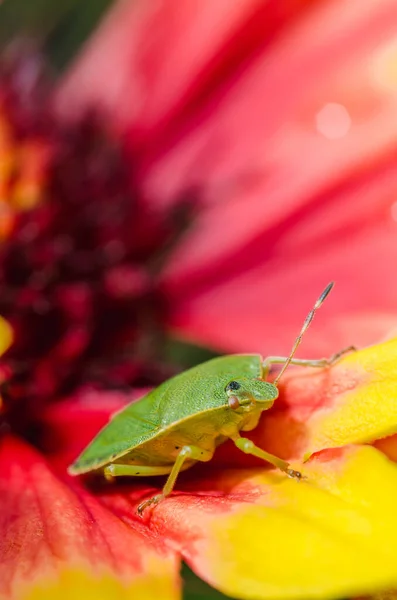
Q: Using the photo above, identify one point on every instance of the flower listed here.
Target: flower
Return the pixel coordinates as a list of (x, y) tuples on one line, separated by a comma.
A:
[(85, 290), (249, 530)]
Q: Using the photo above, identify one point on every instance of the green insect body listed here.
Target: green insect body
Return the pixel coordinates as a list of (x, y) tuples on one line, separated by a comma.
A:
[(190, 408), (183, 420)]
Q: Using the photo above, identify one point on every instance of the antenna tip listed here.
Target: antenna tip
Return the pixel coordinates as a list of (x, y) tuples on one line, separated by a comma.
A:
[(324, 294)]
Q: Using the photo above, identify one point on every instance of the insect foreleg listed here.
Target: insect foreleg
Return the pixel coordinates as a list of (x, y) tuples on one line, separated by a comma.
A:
[(319, 363), (247, 446), (187, 452)]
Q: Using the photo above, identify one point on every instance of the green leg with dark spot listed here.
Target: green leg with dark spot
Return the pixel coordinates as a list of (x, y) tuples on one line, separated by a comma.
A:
[(119, 470), (187, 452)]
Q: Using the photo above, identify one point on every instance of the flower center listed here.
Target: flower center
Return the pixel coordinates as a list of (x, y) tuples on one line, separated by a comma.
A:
[(80, 251)]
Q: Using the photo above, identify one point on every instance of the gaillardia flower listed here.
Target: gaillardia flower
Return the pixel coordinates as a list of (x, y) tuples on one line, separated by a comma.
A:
[(246, 529), (191, 173)]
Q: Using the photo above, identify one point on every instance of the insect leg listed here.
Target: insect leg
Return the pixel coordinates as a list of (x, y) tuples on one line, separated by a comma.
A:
[(187, 452), (120, 470), (320, 362), (247, 446)]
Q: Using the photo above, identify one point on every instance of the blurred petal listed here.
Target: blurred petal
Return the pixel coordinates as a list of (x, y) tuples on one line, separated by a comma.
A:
[(166, 54), (388, 446), (60, 541), (267, 536), (388, 595), (294, 196), (62, 440), (287, 125), (267, 302), (5, 335)]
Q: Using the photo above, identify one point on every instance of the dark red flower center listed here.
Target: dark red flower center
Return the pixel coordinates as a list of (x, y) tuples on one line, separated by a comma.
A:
[(79, 255)]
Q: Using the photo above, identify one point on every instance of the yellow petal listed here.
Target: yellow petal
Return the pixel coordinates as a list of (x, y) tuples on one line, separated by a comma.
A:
[(364, 413), (333, 535), (79, 584)]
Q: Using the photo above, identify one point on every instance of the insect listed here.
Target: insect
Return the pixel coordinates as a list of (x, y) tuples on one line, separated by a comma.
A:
[(183, 420)]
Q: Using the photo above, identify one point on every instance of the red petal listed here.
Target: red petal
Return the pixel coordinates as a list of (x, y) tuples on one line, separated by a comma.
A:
[(71, 424), (284, 228), (168, 57), (51, 532)]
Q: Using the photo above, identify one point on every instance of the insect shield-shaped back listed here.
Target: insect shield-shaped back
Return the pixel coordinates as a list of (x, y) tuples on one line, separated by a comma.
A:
[(250, 392)]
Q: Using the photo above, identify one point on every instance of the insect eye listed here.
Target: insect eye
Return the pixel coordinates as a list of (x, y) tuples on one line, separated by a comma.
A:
[(233, 386)]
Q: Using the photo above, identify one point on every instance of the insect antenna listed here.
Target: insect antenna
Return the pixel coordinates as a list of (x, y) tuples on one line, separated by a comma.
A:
[(305, 326)]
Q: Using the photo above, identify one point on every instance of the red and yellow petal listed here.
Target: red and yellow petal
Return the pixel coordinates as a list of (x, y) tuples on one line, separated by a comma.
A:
[(352, 402), (257, 534), (59, 540)]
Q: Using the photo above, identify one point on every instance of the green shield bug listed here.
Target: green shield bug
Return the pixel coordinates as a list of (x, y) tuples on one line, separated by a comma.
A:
[(183, 420)]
